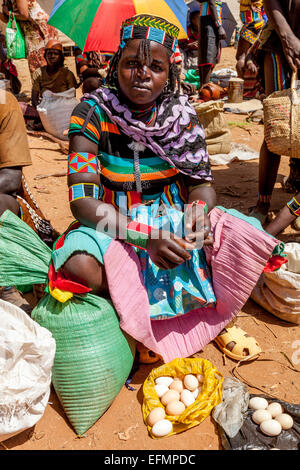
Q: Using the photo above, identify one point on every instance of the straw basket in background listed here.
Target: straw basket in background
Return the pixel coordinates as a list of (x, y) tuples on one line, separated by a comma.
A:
[(282, 121)]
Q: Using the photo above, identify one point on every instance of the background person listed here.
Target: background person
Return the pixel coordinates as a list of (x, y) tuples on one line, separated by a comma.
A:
[(33, 21), (54, 76), (14, 193), (211, 32), (279, 55)]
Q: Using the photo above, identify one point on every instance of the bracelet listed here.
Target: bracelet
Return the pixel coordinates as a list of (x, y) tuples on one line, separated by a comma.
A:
[(294, 206), (137, 234), (82, 163), (83, 190), (199, 203)]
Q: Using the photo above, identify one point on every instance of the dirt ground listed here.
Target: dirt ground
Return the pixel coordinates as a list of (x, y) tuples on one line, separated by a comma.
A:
[(236, 187)]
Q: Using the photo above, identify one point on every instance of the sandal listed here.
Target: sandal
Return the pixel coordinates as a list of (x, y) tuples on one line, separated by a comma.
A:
[(146, 356), (245, 346), (296, 224)]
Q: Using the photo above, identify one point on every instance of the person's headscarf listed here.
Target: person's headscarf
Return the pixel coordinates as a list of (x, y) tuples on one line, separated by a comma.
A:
[(177, 135)]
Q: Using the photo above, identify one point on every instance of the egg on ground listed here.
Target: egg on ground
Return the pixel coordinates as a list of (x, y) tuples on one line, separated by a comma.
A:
[(271, 427), (190, 382), (162, 428), (155, 415), (170, 395)]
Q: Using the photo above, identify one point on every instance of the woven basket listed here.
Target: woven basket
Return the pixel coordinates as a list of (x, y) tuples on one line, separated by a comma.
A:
[(282, 121)]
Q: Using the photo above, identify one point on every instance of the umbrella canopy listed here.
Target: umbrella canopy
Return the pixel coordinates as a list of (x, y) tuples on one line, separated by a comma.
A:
[(94, 25)]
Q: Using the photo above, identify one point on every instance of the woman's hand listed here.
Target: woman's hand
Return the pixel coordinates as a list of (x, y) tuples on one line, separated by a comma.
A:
[(291, 49), (221, 32), (198, 226), (255, 6), (168, 251)]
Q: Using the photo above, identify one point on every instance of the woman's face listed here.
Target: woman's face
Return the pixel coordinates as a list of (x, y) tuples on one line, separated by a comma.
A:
[(52, 57), (140, 83)]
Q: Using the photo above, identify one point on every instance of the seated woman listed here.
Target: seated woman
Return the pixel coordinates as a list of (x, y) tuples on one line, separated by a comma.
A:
[(137, 160), (54, 76)]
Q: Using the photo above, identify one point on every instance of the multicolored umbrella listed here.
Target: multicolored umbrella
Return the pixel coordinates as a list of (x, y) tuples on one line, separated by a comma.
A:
[(94, 25)]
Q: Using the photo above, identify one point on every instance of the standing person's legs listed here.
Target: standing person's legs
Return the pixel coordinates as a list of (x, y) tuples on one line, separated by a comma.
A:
[(208, 48), (268, 161)]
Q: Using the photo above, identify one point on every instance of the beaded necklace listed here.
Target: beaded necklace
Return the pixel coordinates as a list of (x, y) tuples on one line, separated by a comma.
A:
[(150, 110)]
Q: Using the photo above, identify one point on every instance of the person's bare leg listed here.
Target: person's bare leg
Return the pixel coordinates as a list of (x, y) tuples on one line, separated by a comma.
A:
[(8, 202), (268, 161), (205, 73), (86, 270), (242, 49)]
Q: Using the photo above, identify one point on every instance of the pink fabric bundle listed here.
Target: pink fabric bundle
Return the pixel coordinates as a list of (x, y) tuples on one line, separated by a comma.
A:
[(237, 258)]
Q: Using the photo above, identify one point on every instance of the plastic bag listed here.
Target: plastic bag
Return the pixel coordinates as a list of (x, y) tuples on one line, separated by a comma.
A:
[(55, 111), (210, 396), (251, 438), (279, 291), (192, 76), (229, 413), (26, 358), (15, 41), (93, 356)]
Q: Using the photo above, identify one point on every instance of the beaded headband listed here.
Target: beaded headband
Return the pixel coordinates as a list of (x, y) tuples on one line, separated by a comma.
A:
[(152, 28)]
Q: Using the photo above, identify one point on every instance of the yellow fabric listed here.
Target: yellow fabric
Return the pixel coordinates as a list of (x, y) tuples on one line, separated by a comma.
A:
[(60, 295), (210, 396)]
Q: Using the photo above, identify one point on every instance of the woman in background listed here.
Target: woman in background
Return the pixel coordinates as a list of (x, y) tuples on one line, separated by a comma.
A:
[(34, 24)]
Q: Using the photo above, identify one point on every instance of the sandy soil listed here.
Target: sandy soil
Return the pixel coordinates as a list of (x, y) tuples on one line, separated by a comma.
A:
[(236, 186)]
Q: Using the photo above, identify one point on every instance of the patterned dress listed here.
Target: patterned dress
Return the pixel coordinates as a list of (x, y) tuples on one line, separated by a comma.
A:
[(160, 204), (37, 33)]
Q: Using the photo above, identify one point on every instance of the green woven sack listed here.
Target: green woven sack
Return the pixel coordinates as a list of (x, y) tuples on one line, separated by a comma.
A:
[(93, 356)]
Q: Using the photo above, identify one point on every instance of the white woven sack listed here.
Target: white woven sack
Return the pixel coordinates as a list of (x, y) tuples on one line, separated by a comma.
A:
[(55, 111), (26, 357), (279, 292)]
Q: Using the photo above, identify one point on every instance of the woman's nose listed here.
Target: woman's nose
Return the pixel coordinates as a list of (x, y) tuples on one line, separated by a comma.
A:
[(143, 71)]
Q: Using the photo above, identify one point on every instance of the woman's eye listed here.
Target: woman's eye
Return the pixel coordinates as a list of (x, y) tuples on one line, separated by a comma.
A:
[(133, 63), (156, 68)]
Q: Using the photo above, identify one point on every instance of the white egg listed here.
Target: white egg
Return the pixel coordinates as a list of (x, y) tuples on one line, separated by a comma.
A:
[(161, 390), (258, 403), (170, 395), (190, 382), (261, 415), (164, 381), (196, 392), (275, 409), (162, 428), (155, 415), (271, 427), (187, 397), (177, 385), (175, 408), (285, 420)]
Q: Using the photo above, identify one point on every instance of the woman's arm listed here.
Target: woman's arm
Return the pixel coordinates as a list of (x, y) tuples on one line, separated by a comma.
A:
[(215, 17), (290, 43), (283, 220)]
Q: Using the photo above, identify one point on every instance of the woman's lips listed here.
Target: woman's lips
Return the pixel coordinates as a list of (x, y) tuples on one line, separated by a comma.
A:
[(140, 88)]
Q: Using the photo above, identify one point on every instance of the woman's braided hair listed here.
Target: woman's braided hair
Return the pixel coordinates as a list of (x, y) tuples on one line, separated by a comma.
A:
[(144, 55)]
